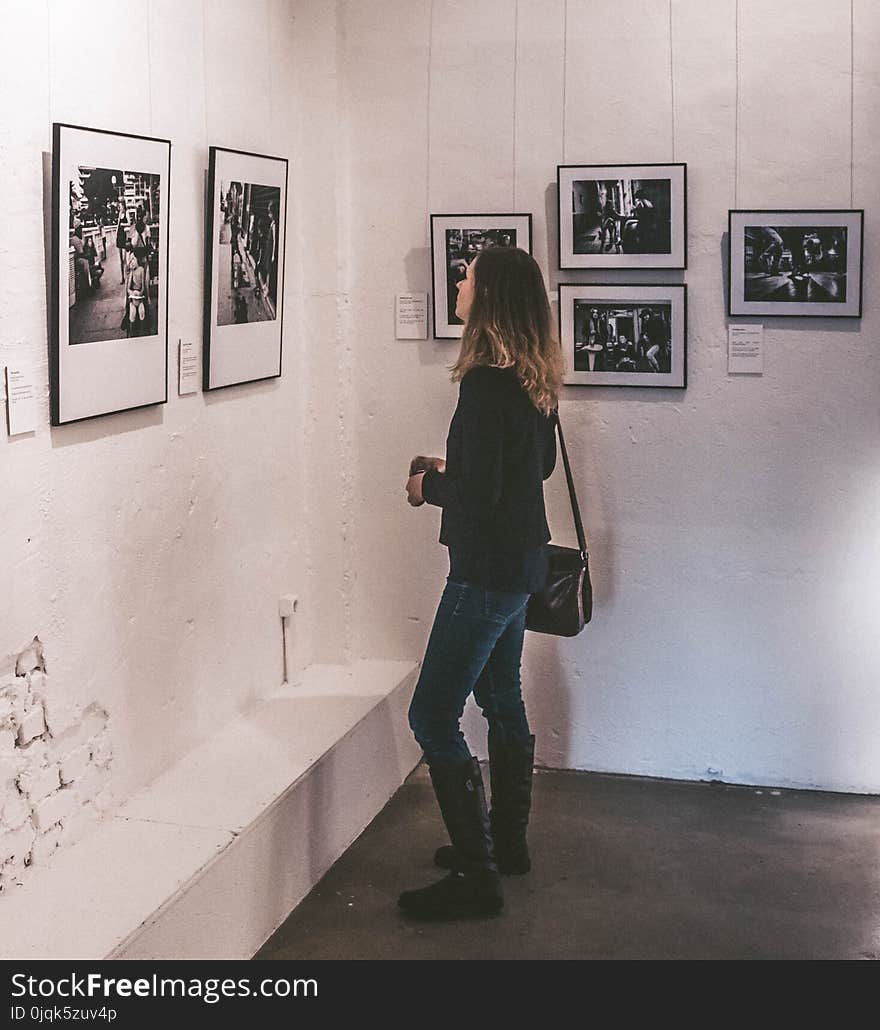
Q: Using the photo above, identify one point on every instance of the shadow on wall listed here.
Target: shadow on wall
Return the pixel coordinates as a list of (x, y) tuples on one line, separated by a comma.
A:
[(547, 692), (47, 230), (551, 220)]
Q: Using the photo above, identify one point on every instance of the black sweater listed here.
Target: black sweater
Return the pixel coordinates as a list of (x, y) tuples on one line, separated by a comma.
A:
[(499, 451)]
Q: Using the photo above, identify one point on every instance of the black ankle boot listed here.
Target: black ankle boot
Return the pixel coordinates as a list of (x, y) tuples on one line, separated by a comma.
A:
[(510, 769), (473, 888)]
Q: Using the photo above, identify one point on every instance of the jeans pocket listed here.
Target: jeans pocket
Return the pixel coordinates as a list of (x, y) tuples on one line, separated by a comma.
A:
[(504, 604), (470, 600), (463, 597)]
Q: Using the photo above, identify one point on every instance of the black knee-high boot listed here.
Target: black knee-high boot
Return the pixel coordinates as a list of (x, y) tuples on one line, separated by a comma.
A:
[(510, 769), (515, 761), (474, 886)]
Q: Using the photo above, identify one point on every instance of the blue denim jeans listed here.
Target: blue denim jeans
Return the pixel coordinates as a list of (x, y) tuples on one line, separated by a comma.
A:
[(475, 645)]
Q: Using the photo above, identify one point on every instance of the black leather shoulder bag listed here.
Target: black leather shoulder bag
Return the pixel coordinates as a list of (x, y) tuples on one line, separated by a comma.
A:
[(565, 605)]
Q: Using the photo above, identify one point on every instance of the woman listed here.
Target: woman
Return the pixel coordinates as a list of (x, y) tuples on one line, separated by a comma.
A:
[(139, 244), (136, 307), (641, 225), (122, 243), (268, 251), (500, 448), (610, 219)]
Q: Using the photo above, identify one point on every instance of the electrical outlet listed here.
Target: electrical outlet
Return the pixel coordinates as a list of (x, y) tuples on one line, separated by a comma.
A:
[(287, 605)]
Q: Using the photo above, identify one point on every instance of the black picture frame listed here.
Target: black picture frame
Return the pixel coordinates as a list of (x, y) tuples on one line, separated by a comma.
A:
[(799, 273), (624, 358), (626, 240), (446, 325), (92, 372), (243, 318)]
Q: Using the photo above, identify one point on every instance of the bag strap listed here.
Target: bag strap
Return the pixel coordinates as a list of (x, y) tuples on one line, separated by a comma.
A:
[(575, 510)]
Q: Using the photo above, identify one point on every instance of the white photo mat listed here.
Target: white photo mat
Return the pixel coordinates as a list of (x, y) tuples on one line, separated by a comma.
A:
[(566, 175), (106, 376), (675, 295), (739, 220), (444, 329), (241, 353)]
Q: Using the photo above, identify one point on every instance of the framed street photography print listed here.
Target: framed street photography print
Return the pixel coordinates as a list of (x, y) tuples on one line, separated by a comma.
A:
[(622, 216), (624, 335), (795, 263), (244, 267), (109, 306), (455, 242)]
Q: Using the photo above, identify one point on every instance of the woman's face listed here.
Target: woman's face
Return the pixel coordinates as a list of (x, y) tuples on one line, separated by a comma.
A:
[(465, 294)]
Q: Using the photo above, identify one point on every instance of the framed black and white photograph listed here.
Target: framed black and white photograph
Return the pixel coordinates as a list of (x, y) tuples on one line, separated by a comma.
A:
[(795, 263), (624, 335), (455, 242), (244, 267), (109, 307), (622, 216)]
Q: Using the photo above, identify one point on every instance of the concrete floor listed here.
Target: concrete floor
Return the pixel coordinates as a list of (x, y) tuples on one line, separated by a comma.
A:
[(623, 868)]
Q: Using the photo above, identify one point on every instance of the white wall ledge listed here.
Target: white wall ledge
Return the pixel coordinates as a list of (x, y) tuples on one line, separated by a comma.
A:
[(209, 858)]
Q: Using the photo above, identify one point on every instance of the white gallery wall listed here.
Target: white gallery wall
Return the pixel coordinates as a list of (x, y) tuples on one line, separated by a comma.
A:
[(148, 549), (734, 526)]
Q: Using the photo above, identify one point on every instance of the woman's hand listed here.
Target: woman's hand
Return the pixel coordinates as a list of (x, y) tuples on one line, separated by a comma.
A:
[(414, 489), (421, 464)]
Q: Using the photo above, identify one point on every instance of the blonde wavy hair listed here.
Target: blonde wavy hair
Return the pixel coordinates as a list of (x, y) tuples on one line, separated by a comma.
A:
[(509, 325)]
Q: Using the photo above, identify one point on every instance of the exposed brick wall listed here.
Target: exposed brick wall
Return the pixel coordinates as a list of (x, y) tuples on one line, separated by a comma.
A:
[(55, 761)]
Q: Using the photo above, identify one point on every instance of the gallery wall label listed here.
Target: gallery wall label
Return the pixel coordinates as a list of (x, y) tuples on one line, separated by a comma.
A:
[(745, 349), (411, 316), (188, 368), (21, 400)]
